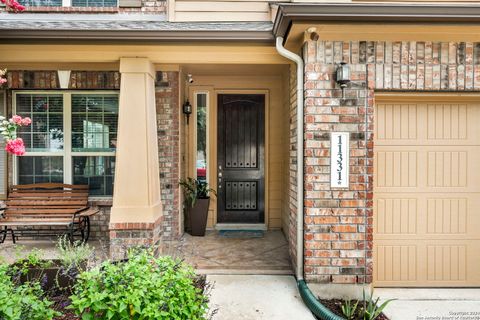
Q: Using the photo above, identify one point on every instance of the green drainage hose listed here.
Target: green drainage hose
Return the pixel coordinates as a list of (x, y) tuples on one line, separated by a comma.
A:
[(314, 305)]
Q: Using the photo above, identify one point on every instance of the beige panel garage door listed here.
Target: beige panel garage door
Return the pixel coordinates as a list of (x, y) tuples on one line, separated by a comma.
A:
[(427, 191)]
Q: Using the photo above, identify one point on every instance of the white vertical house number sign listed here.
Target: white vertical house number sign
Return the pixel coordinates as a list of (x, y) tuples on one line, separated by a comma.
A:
[(339, 159)]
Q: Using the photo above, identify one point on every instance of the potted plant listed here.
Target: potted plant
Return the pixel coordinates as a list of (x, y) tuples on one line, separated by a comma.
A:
[(197, 201)]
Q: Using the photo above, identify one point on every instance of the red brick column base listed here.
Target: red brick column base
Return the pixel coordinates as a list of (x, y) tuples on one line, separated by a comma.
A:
[(124, 236)]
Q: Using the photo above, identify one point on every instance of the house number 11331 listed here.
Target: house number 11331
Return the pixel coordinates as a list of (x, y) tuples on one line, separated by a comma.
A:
[(339, 159)]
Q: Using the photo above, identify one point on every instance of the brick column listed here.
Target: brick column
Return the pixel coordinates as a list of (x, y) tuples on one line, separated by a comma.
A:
[(339, 223), (136, 213), (168, 121), (335, 221)]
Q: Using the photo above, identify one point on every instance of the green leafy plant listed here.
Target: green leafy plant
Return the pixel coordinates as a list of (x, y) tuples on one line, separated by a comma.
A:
[(142, 287), (34, 259), (194, 189), (26, 301), (349, 309), (371, 310)]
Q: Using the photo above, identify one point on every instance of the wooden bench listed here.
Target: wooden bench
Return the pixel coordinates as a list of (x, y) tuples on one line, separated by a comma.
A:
[(47, 204)]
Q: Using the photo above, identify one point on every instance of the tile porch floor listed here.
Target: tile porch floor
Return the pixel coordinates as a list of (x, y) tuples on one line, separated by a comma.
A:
[(211, 254), (214, 254)]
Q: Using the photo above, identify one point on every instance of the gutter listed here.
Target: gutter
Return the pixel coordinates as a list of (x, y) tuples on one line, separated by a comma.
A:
[(373, 12), (307, 296), (138, 35)]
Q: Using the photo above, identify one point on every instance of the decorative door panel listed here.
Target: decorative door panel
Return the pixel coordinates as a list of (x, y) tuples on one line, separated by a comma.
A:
[(241, 165)]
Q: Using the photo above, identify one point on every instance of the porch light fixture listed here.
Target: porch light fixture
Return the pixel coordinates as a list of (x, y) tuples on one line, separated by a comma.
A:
[(343, 76), (63, 78), (187, 109)]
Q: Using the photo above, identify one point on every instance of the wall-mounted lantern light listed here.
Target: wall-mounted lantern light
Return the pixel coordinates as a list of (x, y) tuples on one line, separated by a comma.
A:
[(343, 76), (187, 109)]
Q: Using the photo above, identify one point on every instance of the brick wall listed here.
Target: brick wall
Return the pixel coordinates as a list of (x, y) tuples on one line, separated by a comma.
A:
[(129, 235), (48, 79), (292, 224), (166, 93), (338, 223)]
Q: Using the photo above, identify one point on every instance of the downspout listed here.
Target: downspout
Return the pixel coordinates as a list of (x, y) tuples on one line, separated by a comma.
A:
[(308, 297), (299, 61)]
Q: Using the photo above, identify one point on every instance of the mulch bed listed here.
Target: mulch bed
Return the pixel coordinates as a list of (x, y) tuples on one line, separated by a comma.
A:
[(60, 304), (335, 305)]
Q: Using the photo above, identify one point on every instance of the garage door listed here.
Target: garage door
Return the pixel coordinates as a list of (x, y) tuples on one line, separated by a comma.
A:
[(427, 191)]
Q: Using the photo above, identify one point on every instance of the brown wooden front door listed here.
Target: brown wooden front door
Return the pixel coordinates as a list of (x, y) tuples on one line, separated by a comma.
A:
[(241, 155)]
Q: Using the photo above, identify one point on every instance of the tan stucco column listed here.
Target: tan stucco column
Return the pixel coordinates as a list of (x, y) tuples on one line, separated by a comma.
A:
[(136, 197)]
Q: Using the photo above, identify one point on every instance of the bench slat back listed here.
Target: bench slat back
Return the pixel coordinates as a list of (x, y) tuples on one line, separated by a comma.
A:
[(46, 200)]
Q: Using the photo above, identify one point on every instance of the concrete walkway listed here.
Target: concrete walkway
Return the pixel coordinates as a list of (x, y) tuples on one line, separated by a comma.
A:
[(257, 297), (432, 304)]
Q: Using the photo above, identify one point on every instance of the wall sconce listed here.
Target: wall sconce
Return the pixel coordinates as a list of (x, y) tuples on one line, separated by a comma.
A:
[(343, 76), (187, 109)]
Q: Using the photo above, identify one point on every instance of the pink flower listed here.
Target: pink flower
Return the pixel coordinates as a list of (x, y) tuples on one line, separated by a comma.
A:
[(15, 146), (25, 121), (3, 80), (16, 119), (17, 6), (13, 4)]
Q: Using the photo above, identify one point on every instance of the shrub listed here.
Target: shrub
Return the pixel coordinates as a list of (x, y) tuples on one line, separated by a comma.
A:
[(26, 301), (142, 287), (73, 255)]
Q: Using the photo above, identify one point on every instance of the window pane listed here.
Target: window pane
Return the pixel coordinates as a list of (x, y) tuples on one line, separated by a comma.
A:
[(202, 136), (46, 131), (40, 169), (41, 3), (94, 122), (94, 3), (97, 172)]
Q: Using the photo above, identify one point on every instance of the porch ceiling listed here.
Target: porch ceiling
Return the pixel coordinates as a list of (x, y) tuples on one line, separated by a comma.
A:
[(162, 53)]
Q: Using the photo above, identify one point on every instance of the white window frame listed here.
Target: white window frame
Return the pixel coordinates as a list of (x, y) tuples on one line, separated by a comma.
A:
[(67, 152), (195, 130), (3, 112), (68, 3)]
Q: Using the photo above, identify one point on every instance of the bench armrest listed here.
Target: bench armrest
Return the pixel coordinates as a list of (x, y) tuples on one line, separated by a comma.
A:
[(85, 212)]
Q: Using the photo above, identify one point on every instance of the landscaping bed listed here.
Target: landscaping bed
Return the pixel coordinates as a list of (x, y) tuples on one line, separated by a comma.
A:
[(335, 305), (142, 286)]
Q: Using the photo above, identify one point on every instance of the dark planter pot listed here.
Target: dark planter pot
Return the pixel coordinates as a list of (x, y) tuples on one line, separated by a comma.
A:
[(197, 217), (54, 278)]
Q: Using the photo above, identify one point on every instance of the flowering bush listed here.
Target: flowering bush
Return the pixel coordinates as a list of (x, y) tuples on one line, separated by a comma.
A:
[(14, 5), (8, 129), (3, 73), (25, 301)]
